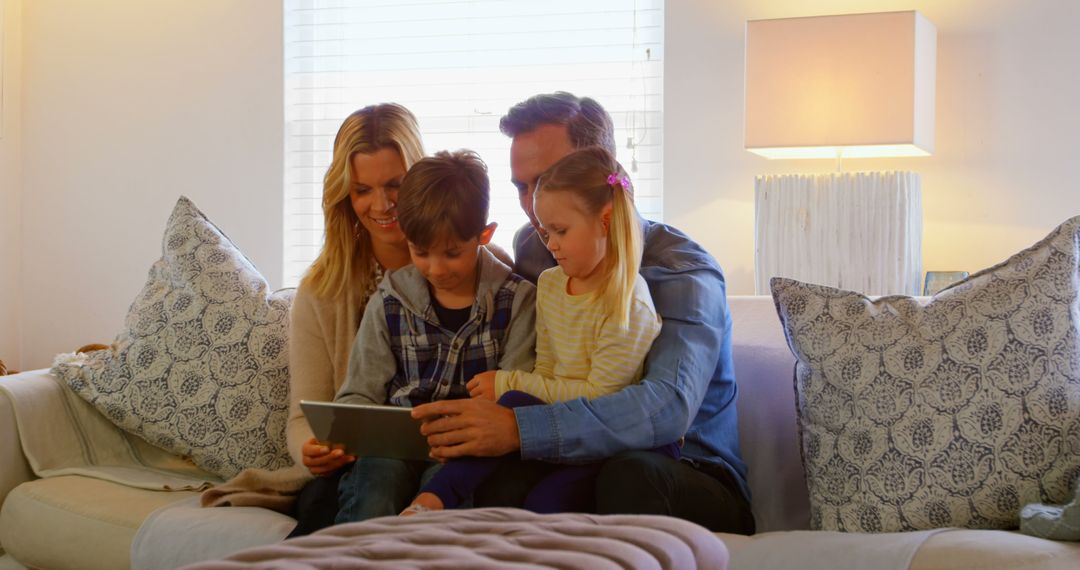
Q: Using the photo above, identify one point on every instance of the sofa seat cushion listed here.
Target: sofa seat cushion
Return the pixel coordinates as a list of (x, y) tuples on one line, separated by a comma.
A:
[(76, 522), (948, 549), (993, 550)]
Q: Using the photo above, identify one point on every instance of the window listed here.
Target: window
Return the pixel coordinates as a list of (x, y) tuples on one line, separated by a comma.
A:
[(459, 65)]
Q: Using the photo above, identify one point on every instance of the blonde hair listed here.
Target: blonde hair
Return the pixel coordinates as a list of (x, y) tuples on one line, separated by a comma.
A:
[(347, 260), (588, 174)]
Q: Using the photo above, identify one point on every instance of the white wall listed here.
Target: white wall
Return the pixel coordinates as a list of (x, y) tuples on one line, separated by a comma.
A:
[(128, 104), (1002, 174), (10, 184)]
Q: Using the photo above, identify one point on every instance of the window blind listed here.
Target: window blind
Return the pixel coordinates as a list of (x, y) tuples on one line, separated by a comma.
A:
[(459, 66)]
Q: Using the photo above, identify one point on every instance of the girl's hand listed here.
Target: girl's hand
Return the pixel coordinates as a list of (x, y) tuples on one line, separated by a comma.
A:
[(482, 386), (324, 459)]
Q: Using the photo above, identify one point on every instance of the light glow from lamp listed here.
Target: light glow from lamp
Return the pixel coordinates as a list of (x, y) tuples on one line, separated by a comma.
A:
[(840, 152), (863, 83)]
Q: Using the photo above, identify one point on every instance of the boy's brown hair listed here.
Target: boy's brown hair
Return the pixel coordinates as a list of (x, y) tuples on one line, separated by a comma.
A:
[(442, 196)]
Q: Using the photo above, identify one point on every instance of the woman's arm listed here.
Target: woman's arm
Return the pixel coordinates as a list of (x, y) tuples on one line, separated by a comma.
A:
[(311, 371)]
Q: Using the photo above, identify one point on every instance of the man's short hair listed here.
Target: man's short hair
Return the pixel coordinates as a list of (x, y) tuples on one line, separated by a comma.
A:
[(586, 121), (444, 196)]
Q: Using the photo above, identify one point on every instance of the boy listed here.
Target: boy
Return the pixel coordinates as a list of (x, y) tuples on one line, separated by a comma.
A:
[(430, 327)]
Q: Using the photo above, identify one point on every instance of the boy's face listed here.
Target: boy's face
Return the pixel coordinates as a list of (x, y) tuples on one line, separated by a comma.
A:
[(449, 265)]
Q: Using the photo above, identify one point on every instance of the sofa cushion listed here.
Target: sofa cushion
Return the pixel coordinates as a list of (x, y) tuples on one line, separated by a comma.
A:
[(953, 414), (951, 549), (768, 436), (994, 550), (200, 368), (76, 522)]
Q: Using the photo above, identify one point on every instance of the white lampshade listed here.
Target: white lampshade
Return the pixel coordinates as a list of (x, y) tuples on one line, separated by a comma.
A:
[(858, 85)]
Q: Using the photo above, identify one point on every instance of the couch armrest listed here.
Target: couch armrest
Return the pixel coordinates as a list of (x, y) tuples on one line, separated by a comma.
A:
[(14, 468)]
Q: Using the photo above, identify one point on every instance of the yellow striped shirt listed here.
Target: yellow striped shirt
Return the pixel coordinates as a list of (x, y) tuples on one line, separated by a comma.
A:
[(580, 352)]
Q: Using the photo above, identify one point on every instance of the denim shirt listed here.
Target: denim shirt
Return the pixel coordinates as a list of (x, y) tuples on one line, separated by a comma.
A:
[(689, 383)]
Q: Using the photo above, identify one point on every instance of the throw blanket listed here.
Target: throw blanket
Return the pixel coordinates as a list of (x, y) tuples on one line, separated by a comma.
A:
[(274, 490), (495, 538), (62, 434)]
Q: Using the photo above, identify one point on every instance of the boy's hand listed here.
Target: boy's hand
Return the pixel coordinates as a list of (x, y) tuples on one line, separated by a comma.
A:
[(482, 386), (324, 459)]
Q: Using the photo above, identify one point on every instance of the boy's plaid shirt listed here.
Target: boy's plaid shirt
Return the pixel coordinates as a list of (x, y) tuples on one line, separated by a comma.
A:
[(435, 364)]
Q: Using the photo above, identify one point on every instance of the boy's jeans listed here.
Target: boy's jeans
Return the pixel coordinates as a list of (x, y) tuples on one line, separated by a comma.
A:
[(379, 487)]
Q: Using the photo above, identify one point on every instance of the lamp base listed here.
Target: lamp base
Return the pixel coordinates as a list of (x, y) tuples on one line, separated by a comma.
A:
[(860, 231)]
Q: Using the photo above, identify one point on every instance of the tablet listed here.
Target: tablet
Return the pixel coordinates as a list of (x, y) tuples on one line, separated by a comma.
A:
[(368, 431)]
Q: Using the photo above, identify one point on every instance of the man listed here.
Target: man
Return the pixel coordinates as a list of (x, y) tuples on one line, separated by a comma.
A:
[(688, 387)]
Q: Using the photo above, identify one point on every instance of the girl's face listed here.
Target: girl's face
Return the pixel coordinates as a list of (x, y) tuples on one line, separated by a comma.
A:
[(376, 179), (576, 239)]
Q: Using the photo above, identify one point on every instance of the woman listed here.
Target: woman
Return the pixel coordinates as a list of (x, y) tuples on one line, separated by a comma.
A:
[(373, 149)]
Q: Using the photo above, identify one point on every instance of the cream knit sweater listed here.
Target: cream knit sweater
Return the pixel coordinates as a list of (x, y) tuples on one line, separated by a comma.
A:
[(321, 336)]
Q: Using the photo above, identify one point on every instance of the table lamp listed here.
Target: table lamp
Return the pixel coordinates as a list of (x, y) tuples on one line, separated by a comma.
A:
[(849, 86)]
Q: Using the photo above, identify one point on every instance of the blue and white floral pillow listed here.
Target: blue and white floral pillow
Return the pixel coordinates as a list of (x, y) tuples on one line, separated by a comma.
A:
[(201, 367), (956, 413)]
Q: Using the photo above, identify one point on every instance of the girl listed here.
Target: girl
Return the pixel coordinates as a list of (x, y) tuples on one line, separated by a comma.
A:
[(595, 322)]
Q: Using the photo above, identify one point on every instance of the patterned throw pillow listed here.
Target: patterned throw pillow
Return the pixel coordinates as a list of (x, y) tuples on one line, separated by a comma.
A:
[(201, 367), (956, 413)]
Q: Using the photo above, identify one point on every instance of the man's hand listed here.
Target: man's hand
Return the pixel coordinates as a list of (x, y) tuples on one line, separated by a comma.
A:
[(462, 428), (324, 459), (482, 386)]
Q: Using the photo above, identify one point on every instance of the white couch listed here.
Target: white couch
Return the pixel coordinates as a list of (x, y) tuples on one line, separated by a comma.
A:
[(80, 522)]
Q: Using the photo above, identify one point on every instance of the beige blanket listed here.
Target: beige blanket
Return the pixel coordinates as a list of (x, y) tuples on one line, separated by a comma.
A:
[(275, 490), (495, 538), (62, 434)]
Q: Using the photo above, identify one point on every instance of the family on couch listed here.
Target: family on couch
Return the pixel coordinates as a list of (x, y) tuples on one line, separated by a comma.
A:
[(617, 444)]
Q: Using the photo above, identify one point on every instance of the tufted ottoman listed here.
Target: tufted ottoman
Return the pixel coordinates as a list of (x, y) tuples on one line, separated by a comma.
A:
[(495, 538)]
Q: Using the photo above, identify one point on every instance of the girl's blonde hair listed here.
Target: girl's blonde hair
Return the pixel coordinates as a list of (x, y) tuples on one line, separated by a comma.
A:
[(593, 175), (347, 260)]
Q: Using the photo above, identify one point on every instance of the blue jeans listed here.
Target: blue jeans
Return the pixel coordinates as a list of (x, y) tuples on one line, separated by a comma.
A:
[(562, 488), (379, 487), (317, 504)]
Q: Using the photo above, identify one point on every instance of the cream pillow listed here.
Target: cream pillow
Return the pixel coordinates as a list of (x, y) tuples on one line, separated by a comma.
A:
[(201, 366), (956, 413)]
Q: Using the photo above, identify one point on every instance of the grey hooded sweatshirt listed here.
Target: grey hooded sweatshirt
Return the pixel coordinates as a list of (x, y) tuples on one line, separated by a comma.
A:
[(403, 356)]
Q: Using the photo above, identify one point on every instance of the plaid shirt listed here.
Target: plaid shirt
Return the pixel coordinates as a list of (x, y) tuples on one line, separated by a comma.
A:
[(434, 363)]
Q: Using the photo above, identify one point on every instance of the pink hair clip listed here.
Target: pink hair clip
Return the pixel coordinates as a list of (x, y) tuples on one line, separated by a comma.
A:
[(614, 179)]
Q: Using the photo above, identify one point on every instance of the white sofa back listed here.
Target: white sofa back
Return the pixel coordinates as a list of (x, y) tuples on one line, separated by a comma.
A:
[(764, 370)]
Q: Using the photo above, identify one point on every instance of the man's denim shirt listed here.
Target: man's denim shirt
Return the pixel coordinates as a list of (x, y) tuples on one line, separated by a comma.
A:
[(689, 383)]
